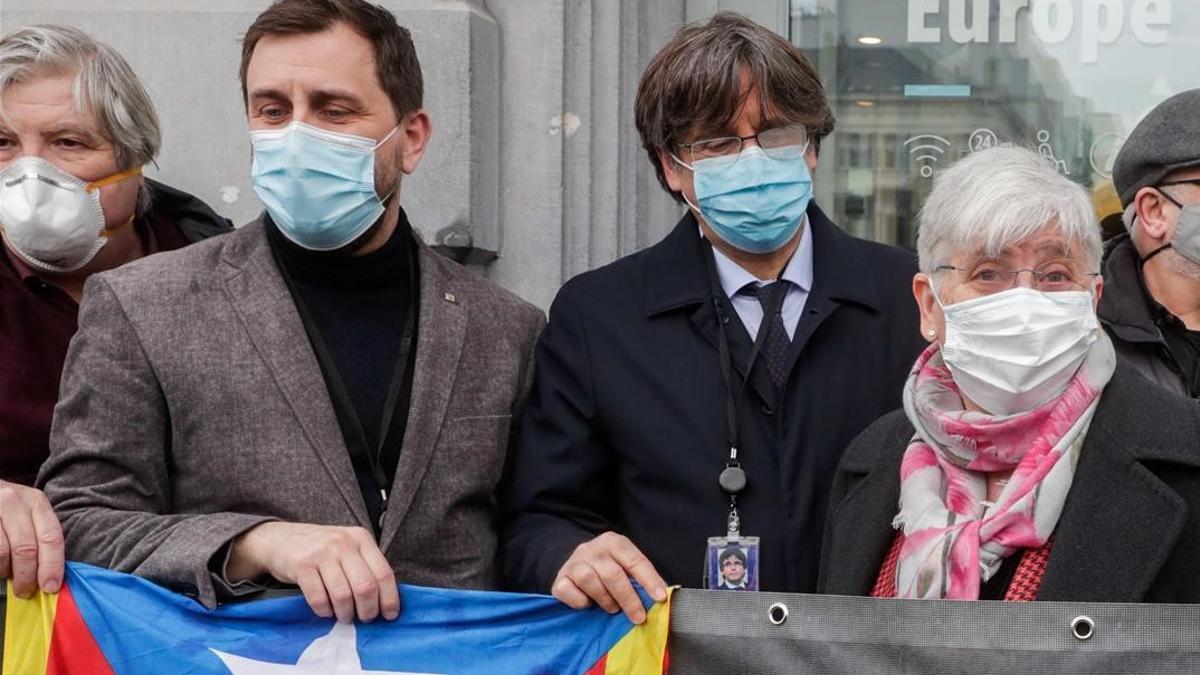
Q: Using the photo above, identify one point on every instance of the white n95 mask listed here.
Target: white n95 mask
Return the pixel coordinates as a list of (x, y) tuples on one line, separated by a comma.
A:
[(51, 219), (1010, 352)]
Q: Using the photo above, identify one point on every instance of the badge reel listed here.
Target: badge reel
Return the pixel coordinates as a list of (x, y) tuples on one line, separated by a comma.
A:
[(731, 561)]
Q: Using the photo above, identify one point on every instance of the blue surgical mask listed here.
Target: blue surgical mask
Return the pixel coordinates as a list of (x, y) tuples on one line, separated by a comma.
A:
[(754, 202), (318, 186)]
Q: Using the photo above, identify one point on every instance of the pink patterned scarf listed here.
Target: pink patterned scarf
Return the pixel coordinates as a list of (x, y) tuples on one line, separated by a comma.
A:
[(954, 539)]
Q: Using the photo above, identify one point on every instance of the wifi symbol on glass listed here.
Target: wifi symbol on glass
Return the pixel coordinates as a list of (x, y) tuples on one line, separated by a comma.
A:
[(927, 151)]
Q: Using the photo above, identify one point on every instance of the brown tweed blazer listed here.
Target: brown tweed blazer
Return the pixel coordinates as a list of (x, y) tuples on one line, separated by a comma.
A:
[(192, 408)]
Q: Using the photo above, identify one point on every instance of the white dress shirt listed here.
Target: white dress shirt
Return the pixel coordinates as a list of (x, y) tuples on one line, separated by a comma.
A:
[(799, 271)]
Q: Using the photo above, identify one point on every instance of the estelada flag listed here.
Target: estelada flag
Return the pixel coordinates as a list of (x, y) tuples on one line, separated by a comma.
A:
[(105, 622)]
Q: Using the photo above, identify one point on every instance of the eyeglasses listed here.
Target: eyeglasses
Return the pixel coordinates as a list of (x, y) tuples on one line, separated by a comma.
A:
[(1053, 277), (1190, 181), (1173, 200), (777, 143)]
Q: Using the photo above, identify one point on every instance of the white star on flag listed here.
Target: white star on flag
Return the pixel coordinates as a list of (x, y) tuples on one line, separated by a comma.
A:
[(333, 654)]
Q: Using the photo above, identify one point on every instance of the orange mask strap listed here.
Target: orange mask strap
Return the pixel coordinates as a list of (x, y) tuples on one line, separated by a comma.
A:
[(115, 178), (109, 232)]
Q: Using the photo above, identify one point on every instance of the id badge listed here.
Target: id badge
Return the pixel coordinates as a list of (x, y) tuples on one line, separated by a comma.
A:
[(731, 564)]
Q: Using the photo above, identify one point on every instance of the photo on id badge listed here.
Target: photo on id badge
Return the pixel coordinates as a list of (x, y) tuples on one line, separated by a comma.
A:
[(731, 564)]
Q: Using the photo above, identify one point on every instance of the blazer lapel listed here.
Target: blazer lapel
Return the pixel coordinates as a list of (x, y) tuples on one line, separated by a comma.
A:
[(268, 313), (441, 332), (1117, 527)]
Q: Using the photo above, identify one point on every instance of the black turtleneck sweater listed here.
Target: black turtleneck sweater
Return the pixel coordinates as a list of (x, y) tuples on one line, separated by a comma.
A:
[(357, 306)]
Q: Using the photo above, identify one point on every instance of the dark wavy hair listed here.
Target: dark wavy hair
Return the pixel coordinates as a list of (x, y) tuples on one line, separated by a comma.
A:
[(692, 87), (396, 64)]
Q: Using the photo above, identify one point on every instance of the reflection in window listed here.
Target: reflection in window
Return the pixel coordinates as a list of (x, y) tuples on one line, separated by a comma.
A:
[(906, 108)]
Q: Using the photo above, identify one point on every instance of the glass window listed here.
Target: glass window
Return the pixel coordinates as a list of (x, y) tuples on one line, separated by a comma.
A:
[(917, 84)]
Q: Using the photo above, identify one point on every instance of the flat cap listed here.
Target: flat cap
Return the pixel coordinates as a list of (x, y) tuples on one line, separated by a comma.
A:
[(1166, 140)]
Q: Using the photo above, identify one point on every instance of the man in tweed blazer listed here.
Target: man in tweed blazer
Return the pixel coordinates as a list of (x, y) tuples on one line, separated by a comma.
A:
[(213, 401)]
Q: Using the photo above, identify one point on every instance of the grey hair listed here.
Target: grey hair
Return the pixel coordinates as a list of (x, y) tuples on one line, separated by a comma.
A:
[(996, 198), (106, 88)]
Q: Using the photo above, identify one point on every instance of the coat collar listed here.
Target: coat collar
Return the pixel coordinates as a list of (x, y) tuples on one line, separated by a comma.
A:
[(676, 276), (798, 271), (1118, 526), (1126, 308), (1120, 521), (862, 521)]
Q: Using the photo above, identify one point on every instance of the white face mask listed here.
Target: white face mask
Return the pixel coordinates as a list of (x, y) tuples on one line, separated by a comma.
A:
[(1013, 351), (51, 219)]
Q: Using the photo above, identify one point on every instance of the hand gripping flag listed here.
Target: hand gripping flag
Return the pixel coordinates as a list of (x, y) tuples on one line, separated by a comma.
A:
[(105, 622)]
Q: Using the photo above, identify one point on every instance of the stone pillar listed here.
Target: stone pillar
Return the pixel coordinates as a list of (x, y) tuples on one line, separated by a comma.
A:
[(577, 189)]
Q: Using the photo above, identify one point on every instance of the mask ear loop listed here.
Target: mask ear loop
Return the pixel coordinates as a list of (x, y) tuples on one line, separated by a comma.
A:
[(1167, 245), (687, 166), (933, 289), (1155, 252), (378, 145), (386, 138)]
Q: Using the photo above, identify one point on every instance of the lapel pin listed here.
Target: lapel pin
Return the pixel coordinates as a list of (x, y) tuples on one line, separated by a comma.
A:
[(450, 297)]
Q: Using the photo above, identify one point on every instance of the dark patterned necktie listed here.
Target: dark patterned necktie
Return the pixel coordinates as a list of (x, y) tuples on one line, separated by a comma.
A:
[(775, 349)]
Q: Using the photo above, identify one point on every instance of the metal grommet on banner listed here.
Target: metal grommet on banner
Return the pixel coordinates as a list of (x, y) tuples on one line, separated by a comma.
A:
[(1083, 628), (778, 613)]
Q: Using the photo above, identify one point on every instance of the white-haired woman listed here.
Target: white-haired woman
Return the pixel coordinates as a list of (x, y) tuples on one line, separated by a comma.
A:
[(1026, 464), (76, 128)]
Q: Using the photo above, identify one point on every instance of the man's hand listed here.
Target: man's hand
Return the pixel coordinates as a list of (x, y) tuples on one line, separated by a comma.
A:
[(31, 540), (599, 570), (340, 569)]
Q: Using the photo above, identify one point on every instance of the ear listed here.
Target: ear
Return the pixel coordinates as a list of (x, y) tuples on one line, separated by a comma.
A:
[(671, 170), (810, 158), (1097, 293), (416, 130), (931, 312), (1154, 216)]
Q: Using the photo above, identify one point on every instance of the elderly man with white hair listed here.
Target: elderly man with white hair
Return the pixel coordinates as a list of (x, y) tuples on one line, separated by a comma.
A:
[(1026, 463), (76, 128)]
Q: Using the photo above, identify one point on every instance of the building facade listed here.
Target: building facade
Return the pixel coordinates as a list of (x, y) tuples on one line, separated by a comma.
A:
[(535, 172)]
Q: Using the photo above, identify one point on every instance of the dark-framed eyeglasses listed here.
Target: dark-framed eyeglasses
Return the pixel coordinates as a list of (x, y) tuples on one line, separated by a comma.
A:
[(1169, 196), (1189, 181), (777, 143)]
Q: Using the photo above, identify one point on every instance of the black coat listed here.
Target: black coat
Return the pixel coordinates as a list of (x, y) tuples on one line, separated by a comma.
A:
[(1127, 313), (196, 220), (625, 428), (1129, 531)]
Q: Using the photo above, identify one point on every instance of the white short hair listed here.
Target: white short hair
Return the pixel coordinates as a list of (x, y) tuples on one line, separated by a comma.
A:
[(106, 88), (994, 199)]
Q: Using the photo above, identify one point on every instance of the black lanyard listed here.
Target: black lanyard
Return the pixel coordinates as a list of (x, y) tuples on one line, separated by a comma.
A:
[(362, 456), (732, 478)]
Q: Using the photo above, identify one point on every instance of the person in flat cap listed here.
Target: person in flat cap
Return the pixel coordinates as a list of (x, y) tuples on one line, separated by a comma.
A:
[(1151, 302)]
